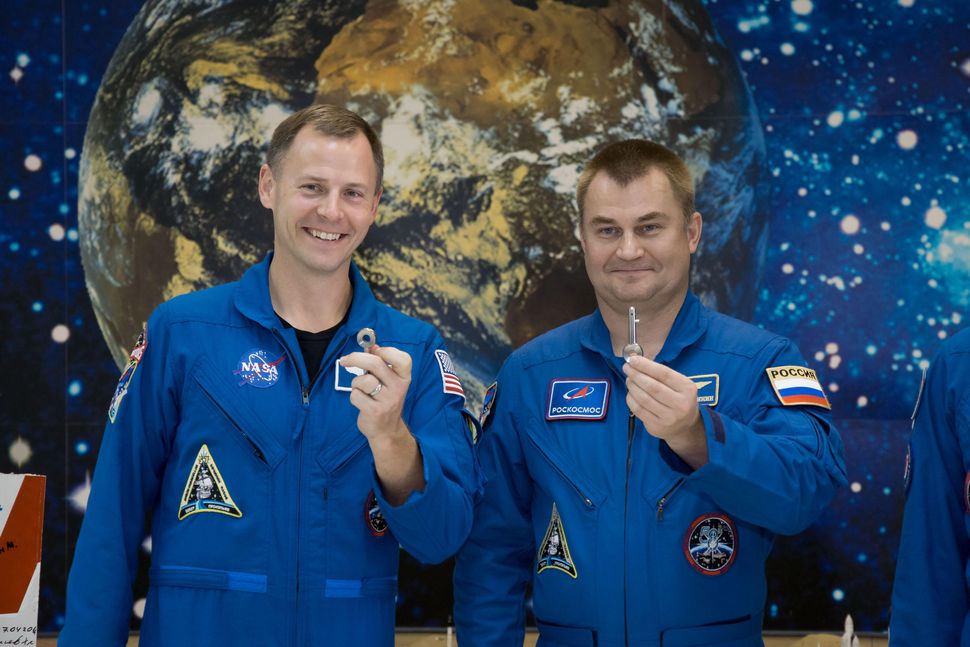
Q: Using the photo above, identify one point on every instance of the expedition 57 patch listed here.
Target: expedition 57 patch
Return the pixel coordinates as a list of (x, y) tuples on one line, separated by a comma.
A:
[(133, 360), (205, 491), (376, 522), (487, 402), (797, 385), (711, 543)]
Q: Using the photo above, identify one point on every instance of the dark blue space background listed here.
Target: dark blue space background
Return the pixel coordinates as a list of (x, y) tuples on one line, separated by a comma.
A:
[(866, 112)]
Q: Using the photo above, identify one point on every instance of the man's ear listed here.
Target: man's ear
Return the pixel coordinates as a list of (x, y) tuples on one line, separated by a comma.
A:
[(266, 186), (694, 227)]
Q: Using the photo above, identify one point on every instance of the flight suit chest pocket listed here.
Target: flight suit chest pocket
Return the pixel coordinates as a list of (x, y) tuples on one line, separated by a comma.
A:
[(348, 445), (244, 422), (552, 468)]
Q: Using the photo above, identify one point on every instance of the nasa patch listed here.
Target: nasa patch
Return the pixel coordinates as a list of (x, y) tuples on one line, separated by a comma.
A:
[(134, 358), (578, 399), (376, 522), (711, 544), (257, 368), (554, 551), (205, 491)]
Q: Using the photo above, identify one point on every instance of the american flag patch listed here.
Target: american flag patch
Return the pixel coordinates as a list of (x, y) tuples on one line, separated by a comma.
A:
[(449, 378)]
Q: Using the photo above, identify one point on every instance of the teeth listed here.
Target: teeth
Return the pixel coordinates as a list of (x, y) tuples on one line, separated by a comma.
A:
[(323, 235)]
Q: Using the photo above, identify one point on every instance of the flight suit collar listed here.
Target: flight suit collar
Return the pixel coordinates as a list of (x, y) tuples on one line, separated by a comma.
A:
[(690, 324), (253, 300)]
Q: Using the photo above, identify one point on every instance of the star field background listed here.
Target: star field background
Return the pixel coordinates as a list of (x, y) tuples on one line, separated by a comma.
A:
[(867, 126)]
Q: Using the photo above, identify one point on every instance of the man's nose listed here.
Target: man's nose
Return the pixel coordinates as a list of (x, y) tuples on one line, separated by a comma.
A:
[(629, 247), (329, 206)]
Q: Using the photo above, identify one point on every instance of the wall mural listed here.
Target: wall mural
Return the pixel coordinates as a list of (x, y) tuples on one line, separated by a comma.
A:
[(825, 148)]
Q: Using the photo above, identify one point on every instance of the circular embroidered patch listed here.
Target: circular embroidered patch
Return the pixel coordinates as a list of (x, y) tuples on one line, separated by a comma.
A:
[(966, 491), (258, 368), (376, 522), (711, 544)]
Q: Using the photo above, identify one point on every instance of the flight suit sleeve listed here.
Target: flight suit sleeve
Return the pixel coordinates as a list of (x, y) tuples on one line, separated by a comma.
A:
[(432, 523), (137, 438), (772, 464), (495, 564), (930, 601)]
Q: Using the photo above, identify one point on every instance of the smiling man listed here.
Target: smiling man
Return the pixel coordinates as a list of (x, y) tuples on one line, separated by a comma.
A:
[(282, 455), (637, 482)]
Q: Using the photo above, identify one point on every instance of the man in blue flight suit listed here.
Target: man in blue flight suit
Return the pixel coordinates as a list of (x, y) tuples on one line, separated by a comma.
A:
[(640, 494), (282, 465), (931, 593)]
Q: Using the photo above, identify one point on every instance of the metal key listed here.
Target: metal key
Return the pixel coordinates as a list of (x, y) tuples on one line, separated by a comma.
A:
[(632, 348), (366, 338)]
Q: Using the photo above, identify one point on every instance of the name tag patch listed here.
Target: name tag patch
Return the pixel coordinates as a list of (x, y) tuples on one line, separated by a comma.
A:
[(344, 375), (708, 388), (578, 399)]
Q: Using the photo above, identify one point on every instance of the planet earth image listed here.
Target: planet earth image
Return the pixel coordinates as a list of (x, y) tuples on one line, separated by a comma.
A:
[(487, 111)]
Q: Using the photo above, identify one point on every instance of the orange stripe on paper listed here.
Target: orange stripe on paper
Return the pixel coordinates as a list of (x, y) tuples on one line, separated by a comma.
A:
[(21, 541)]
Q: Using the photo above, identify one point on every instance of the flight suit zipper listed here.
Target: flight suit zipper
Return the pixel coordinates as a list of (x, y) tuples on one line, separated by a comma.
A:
[(666, 498), (631, 426), (305, 398)]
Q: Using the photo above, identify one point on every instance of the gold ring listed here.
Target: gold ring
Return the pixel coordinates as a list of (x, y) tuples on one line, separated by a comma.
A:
[(377, 389)]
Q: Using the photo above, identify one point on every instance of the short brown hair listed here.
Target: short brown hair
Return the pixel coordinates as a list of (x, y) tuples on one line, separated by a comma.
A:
[(329, 120), (630, 159)]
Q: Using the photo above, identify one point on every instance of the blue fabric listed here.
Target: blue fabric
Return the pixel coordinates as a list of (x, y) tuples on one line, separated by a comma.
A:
[(301, 564), (626, 509), (931, 592)]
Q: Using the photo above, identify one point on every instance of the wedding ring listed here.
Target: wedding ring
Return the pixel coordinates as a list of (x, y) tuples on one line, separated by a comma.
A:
[(377, 389)]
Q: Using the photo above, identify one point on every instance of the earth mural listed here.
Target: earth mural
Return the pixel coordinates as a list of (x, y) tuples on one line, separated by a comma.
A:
[(487, 112)]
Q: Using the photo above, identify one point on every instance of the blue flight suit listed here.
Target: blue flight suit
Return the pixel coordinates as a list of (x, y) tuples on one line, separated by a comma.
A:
[(931, 592), (623, 543), (268, 522)]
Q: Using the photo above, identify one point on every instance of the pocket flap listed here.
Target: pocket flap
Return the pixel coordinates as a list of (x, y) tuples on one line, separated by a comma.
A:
[(232, 404), (567, 470), (550, 634), (735, 633), (207, 578), (348, 444)]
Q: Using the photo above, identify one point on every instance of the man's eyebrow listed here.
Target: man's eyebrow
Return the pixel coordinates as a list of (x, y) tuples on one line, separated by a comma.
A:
[(605, 220)]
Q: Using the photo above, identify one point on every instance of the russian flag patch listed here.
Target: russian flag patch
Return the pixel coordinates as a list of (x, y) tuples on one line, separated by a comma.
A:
[(797, 385)]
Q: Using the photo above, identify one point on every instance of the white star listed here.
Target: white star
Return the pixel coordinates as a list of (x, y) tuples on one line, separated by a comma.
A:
[(20, 452), (79, 495)]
